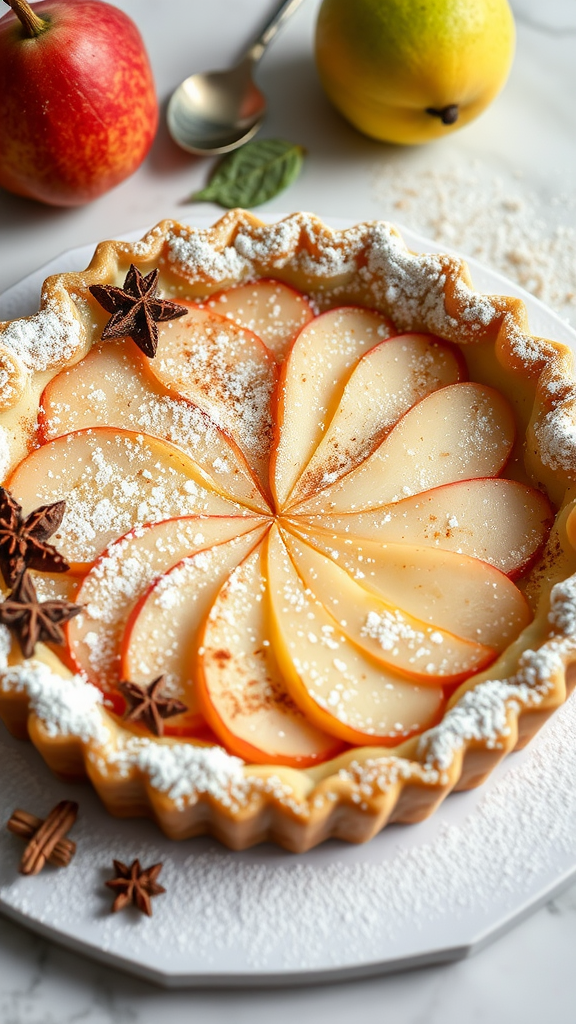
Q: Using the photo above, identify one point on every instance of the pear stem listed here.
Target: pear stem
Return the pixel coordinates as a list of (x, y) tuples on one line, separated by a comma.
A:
[(32, 24), (448, 115)]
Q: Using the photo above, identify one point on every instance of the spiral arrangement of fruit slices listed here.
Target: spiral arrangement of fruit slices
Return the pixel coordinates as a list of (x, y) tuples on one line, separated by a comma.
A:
[(298, 519)]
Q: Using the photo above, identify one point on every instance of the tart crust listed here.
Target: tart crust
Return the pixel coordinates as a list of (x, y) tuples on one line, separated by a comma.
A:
[(191, 789)]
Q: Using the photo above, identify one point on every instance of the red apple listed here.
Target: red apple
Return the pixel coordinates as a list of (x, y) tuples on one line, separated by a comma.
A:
[(78, 109)]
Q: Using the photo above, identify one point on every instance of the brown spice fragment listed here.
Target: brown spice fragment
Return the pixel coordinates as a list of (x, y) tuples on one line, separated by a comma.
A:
[(47, 839), (23, 541), (135, 885), (25, 825), (33, 621), (136, 309), (149, 704)]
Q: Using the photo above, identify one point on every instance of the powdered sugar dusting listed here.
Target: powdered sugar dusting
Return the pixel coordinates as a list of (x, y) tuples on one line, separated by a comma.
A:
[(562, 616), (268, 308), (197, 257), (556, 434), (67, 705), (109, 594), (513, 230), (412, 289), (112, 481), (411, 286), (47, 339), (225, 913), (389, 628), (225, 371), (483, 712), (71, 706), (183, 771), (500, 222), (109, 388), (274, 244)]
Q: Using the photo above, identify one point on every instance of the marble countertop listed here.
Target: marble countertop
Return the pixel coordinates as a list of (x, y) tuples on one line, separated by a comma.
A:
[(528, 137)]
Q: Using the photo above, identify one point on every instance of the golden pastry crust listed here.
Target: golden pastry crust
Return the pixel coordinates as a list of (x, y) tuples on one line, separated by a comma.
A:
[(13, 377), (190, 789)]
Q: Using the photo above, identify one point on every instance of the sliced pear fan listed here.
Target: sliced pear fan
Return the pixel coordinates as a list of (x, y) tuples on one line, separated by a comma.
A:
[(500, 521), (271, 309), (456, 593), (385, 383), (110, 387), (161, 633), (338, 686), (408, 645), (227, 372), (120, 577), (311, 383), (379, 586), (461, 432), (242, 692), (111, 480)]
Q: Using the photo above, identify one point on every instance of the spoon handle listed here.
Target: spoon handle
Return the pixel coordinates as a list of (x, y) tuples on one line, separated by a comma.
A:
[(284, 11)]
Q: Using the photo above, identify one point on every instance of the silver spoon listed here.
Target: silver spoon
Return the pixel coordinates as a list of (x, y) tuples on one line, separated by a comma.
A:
[(218, 111)]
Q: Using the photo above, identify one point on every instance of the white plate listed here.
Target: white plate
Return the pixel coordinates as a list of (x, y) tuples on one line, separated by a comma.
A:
[(413, 895)]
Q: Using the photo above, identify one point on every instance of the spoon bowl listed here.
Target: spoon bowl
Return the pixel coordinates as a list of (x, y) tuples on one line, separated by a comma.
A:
[(218, 111)]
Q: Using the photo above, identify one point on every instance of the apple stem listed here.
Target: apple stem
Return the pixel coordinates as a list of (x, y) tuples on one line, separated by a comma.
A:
[(32, 24)]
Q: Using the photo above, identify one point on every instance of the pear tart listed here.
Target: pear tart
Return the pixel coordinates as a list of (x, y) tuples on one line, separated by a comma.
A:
[(311, 508)]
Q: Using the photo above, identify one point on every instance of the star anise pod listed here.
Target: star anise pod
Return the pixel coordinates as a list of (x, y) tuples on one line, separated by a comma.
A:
[(148, 703), (136, 309), (32, 620), (23, 541), (135, 885)]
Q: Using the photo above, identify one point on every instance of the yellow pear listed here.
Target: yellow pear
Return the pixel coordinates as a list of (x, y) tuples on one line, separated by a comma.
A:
[(409, 71)]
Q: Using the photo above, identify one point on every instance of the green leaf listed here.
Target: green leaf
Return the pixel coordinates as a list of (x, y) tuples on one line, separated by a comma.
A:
[(253, 174)]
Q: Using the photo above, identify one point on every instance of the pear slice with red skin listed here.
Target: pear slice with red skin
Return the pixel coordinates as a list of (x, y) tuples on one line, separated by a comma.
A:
[(338, 686), (161, 632), (272, 310), (407, 645), (453, 592), (502, 522), (126, 570), (227, 372), (111, 480), (387, 381), (241, 690), (462, 432), (311, 382), (110, 387)]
